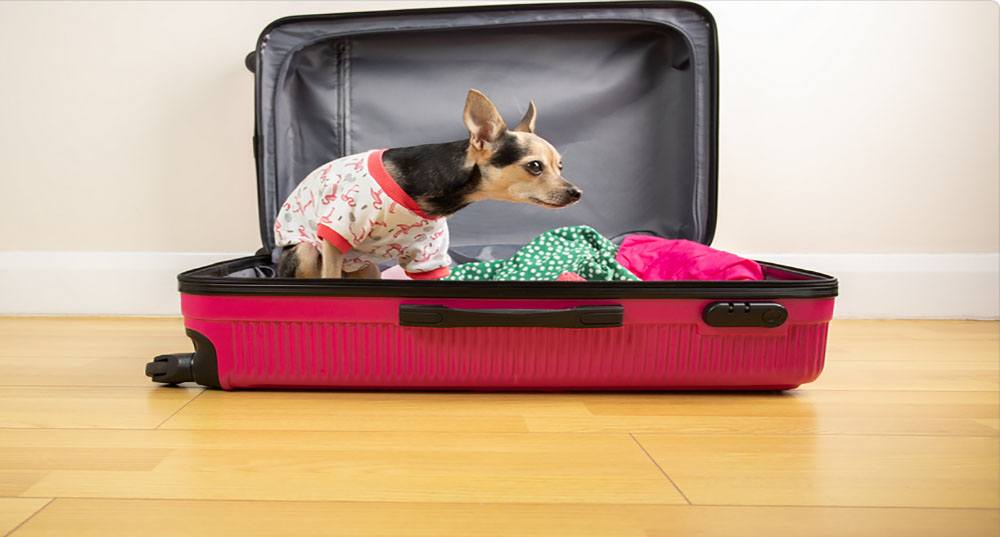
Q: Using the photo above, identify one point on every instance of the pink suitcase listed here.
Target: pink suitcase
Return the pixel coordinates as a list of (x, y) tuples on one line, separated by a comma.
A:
[(629, 94)]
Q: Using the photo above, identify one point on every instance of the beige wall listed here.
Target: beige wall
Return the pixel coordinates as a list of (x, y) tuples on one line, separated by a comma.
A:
[(846, 127)]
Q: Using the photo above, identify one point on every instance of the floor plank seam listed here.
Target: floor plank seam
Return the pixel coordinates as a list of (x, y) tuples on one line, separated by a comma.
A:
[(31, 516), (189, 401), (825, 506), (382, 501), (506, 503), (660, 468), (453, 432)]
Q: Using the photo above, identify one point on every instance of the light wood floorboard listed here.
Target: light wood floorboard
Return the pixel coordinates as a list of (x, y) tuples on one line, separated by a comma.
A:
[(899, 436), (180, 518)]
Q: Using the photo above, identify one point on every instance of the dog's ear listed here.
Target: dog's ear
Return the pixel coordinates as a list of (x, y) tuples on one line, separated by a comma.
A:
[(527, 123), (484, 122)]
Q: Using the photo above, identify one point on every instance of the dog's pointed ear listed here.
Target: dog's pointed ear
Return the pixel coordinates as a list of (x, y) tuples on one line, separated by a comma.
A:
[(482, 119), (527, 123)]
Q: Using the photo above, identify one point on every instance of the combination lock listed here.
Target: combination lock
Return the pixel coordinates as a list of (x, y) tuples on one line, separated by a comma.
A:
[(760, 314)]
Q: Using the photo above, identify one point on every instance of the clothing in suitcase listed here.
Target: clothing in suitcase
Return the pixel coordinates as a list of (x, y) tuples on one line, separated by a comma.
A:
[(626, 91)]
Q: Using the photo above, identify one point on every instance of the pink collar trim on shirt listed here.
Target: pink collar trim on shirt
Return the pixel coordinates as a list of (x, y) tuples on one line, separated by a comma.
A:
[(389, 185)]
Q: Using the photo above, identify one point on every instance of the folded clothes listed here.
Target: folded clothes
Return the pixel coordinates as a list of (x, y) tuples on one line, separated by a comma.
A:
[(582, 254), (580, 250), (655, 259)]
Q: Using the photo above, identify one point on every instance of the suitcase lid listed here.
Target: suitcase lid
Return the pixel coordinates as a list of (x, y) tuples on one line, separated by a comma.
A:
[(627, 92)]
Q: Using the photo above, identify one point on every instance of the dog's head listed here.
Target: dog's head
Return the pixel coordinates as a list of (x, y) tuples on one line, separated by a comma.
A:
[(515, 165)]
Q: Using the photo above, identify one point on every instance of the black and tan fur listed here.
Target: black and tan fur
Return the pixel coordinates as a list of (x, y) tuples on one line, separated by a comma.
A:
[(494, 163)]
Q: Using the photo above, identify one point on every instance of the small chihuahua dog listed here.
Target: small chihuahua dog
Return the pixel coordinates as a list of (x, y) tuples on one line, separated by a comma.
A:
[(354, 212)]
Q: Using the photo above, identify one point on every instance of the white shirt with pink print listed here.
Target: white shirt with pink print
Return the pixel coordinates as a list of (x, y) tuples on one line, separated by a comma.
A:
[(356, 206)]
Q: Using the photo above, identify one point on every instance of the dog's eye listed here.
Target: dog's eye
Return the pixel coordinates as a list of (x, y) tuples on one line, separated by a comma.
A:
[(534, 167)]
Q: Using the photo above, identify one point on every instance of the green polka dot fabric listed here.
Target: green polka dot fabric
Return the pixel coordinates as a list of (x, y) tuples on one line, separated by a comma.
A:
[(579, 249)]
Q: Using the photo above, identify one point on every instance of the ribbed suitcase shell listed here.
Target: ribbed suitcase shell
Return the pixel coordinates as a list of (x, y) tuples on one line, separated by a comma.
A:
[(327, 342)]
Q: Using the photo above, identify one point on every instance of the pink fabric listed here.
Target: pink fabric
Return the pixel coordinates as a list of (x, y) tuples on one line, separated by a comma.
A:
[(395, 272), (570, 277), (654, 259)]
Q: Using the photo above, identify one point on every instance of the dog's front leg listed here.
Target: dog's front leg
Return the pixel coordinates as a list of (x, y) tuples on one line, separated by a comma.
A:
[(333, 262)]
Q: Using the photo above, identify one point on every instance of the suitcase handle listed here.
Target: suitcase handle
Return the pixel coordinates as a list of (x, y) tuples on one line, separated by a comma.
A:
[(431, 316)]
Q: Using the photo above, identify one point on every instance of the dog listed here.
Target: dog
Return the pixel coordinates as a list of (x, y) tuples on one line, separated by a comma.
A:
[(351, 213)]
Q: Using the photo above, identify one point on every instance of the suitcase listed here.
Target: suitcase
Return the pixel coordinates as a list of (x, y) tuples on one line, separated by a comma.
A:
[(628, 92)]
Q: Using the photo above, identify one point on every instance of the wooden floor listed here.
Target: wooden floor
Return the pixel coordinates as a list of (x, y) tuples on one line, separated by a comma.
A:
[(899, 437)]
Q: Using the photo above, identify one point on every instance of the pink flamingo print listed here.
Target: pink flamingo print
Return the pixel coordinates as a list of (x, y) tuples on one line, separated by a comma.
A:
[(312, 201), (357, 238), (346, 196), (331, 196), (377, 197), (425, 255), (395, 250), (325, 171), (403, 229)]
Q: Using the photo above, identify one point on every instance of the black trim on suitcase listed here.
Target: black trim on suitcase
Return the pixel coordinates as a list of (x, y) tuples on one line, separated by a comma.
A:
[(213, 280)]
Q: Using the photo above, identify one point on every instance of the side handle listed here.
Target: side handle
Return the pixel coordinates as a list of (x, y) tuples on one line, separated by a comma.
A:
[(430, 316)]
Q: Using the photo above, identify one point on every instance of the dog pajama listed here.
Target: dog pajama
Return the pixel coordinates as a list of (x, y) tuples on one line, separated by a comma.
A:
[(356, 206)]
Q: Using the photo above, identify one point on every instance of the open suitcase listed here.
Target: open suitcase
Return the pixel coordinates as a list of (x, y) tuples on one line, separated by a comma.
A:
[(626, 91)]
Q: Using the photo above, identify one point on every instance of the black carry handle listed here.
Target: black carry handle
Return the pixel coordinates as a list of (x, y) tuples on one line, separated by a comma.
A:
[(444, 317)]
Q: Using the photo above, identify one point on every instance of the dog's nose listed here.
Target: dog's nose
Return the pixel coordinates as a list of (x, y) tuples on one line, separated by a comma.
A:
[(574, 193)]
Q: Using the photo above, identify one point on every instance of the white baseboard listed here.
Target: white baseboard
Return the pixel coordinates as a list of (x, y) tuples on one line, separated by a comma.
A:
[(908, 286), (95, 283), (874, 286)]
